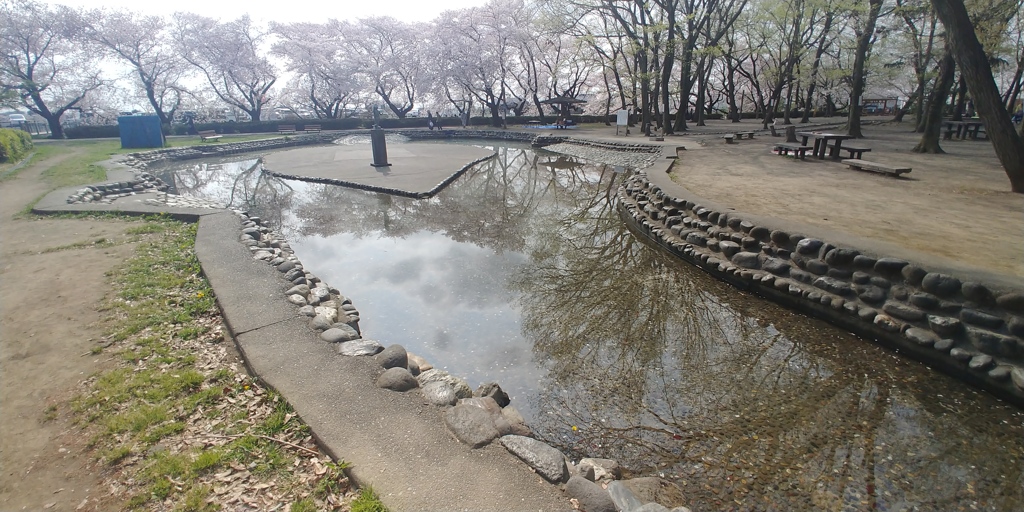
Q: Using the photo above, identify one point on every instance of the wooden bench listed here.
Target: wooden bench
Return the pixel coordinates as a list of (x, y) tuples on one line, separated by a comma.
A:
[(855, 152), (311, 128), (798, 150), (286, 128), (740, 135), (207, 135), (728, 138), (864, 165)]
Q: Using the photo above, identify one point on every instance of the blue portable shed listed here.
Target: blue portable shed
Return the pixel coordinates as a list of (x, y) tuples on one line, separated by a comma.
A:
[(140, 132)]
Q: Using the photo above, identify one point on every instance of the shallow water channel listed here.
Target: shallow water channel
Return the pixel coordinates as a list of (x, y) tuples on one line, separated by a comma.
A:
[(521, 272)]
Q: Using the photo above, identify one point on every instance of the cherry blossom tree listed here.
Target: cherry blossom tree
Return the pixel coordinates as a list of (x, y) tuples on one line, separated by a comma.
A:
[(326, 80), (45, 59), (142, 42), (387, 53), (231, 56)]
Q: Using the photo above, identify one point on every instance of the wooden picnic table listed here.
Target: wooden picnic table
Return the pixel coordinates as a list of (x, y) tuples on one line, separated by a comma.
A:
[(821, 143), (962, 129)]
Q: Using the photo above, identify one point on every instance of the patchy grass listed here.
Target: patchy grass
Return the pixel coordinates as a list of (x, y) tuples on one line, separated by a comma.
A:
[(178, 421), (9, 170), (82, 168)]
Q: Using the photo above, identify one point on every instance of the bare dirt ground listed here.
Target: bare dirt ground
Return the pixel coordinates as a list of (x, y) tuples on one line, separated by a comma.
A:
[(956, 208), (48, 315)]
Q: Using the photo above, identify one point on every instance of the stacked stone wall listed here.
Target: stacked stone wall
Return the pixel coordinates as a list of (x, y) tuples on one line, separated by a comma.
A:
[(971, 330)]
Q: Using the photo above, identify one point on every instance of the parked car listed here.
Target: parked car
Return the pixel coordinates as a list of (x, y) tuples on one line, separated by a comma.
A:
[(16, 119)]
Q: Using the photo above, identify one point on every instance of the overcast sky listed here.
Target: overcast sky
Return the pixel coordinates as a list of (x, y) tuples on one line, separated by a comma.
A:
[(314, 11)]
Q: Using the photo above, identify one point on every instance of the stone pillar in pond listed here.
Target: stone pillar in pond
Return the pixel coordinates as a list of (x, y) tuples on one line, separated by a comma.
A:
[(377, 142)]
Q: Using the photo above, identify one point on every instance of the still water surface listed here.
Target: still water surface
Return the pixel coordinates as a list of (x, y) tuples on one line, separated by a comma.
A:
[(522, 273)]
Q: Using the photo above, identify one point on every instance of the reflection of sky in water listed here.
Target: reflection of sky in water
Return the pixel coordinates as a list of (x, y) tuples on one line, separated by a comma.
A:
[(521, 273), (417, 292)]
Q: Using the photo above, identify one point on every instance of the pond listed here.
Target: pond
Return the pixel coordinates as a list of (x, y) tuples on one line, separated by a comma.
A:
[(522, 272)]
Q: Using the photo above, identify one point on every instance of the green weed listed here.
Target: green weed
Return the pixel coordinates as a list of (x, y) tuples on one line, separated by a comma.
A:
[(116, 454), (303, 505), (368, 501), (195, 500)]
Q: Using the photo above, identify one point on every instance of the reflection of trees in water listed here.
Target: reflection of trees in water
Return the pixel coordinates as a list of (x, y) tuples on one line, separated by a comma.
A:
[(497, 204), (237, 184), (654, 368)]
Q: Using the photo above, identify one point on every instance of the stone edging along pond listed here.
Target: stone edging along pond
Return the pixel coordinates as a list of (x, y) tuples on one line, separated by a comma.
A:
[(970, 330)]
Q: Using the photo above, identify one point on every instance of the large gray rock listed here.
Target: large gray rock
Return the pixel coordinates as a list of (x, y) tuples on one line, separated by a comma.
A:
[(319, 294), (776, 266), (394, 356), (654, 489), (359, 348), (729, 249), (976, 317), (320, 323), (471, 425), (298, 290), (397, 379), (808, 246), (889, 266), (546, 460), (942, 285), (591, 497), (339, 333), (623, 498), (747, 260), (460, 386), (921, 336), (903, 311), (493, 390), (439, 393), (330, 313)]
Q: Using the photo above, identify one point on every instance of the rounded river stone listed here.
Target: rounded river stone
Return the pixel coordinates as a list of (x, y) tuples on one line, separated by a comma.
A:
[(397, 379), (339, 333), (394, 356), (543, 458)]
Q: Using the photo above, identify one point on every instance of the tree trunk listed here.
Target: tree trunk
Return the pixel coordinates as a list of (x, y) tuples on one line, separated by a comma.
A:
[(730, 88), (974, 66), (902, 111), (859, 64), (685, 84), (829, 16), (702, 83), (932, 126), (666, 69)]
